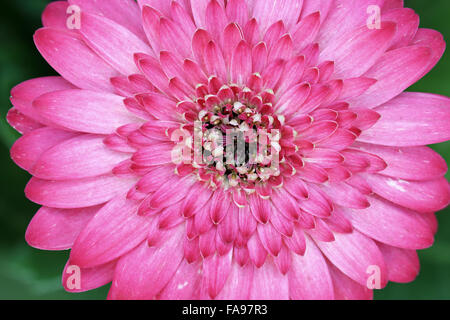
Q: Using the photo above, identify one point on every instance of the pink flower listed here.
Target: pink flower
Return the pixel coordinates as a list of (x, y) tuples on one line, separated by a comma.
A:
[(342, 209)]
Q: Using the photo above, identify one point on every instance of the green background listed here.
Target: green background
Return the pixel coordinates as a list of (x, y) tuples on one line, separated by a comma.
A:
[(27, 273)]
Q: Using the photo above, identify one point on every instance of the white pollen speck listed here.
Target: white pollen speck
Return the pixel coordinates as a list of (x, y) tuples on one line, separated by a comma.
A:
[(182, 285), (396, 185)]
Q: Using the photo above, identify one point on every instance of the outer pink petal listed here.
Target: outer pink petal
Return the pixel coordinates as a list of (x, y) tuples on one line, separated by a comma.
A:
[(114, 230), (356, 51), (402, 264), (74, 60), (411, 119), (55, 15), (123, 12), (77, 193), (57, 229), (309, 277), (90, 278), (346, 288), (25, 93), (151, 268), (239, 283), (410, 163), (112, 42), (422, 196), (395, 71), (397, 223), (184, 284), (353, 254), (81, 157), (27, 149), (20, 122), (269, 283), (84, 110)]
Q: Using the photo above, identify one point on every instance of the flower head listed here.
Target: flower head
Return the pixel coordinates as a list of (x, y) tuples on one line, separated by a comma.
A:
[(233, 149)]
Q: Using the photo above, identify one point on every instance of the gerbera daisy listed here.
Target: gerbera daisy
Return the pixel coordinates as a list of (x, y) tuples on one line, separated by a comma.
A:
[(127, 146)]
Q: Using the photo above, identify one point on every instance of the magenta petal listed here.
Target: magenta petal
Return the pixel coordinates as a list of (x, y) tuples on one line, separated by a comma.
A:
[(84, 69), (27, 149), (395, 71), (269, 283), (402, 264), (346, 288), (399, 126), (398, 222), (309, 277), (57, 229), (158, 264), (422, 196), (83, 110), (81, 157), (90, 278), (77, 193), (353, 254), (410, 163), (103, 239)]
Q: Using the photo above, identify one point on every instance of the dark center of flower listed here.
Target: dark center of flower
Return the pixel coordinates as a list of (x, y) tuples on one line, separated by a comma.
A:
[(236, 136)]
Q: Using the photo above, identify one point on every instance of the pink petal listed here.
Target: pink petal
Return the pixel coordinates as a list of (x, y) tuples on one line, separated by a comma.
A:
[(76, 193), (356, 51), (23, 95), (269, 283), (216, 270), (112, 42), (90, 278), (398, 126), (305, 32), (55, 16), (74, 60), (237, 11), (238, 284), (407, 24), (353, 254), (269, 12), (123, 12), (395, 71), (409, 163), (346, 288), (81, 157), (83, 110), (241, 63), (20, 122), (397, 224), (309, 278), (57, 229), (153, 268), (184, 284), (422, 196), (27, 149), (433, 40), (402, 264), (114, 230)]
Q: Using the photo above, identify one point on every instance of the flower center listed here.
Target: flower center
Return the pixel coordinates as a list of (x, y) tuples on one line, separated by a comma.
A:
[(236, 136)]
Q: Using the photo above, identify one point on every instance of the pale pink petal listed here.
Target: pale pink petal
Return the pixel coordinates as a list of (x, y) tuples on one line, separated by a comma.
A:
[(74, 60), (77, 193), (402, 264), (81, 157), (399, 126), (84, 110), (114, 230), (397, 224), (57, 229), (153, 268), (309, 277)]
